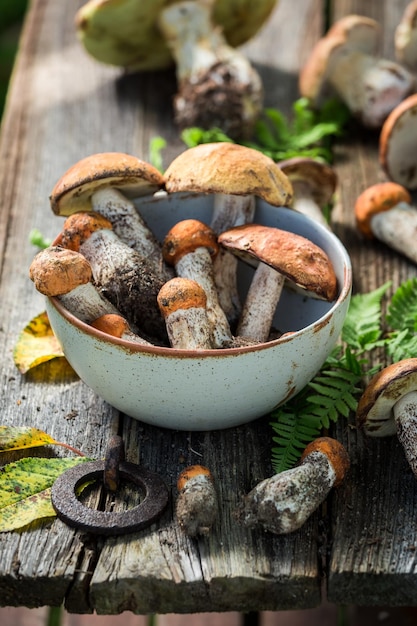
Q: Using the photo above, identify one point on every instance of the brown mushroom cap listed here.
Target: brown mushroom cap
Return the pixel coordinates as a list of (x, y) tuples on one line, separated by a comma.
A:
[(112, 324), (191, 472), (228, 168), (130, 175), (376, 199), (292, 255), (318, 178), (352, 32), (56, 271), (375, 408), (180, 294), (397, 143), (185, 236), (78, 227), (334, 451)]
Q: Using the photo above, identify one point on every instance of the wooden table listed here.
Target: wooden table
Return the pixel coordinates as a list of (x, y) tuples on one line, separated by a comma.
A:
[(362, 546)]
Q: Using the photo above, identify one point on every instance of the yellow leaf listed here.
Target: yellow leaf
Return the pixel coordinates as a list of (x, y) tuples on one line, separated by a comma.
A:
[(18, 438), (37, 345), (25, 490)]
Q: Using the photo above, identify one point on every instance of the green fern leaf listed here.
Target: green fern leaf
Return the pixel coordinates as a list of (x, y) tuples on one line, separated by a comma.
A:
[(362, 327), (402, 311)]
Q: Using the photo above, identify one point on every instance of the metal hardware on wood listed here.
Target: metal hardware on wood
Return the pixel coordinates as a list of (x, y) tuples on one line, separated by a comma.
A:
[(70, 510)]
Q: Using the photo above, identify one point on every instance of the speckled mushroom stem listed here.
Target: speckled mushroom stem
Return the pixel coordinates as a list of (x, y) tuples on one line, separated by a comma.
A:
[(229, 211), (217, 84), (190, 246), (123, 275), (397, 228), (130, 226), (405, 414), (196, 507), (305, 203), (182, 303), (283, 503), (260, 304), (66, 275)]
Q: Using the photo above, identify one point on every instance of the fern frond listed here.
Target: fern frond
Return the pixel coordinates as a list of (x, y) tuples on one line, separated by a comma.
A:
[(402, 345), (402, 311), (362, 327)]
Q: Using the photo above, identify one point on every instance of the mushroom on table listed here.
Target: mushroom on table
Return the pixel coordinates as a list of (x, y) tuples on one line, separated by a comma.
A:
[(106, 183), (384, 211), (196, 508), (277, 255), (189, 246), (283, 503), (405, 37), (345, 63), (388, 406), (314, 184), (148, 35), (397, 144), (235, 175)]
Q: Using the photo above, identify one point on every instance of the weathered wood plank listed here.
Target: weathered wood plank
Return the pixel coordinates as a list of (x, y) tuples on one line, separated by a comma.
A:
[(63, 106), (373, 534)]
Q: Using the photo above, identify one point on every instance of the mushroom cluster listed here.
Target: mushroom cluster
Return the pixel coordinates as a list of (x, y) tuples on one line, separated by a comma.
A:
[(217, 86), (110, 270)]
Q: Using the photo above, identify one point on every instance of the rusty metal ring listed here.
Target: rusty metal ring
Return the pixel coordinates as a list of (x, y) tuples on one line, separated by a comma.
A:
[(70, 510)]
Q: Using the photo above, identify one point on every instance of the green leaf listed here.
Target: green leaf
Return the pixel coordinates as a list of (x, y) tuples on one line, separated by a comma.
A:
[(402, 311), (37, 239), (362, 326), (156, 145)]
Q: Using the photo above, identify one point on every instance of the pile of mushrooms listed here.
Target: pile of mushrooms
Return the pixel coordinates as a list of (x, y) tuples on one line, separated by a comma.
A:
[(217, 86), (108, 269)]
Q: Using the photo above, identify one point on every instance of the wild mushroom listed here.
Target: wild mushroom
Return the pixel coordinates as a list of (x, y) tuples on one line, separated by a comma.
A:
[(277, 255), (384, 211), (196, 508), (283, 503), (345, 63), (388, 406), (235, 175), (123, 275), (142, 36), (105, 183), (397, 143), (67, 275), (183, 304), (189, 246), (116, 326), (405, 37), (314, 184)]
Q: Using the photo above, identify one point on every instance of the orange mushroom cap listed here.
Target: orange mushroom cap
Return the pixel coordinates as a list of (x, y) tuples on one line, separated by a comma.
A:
[(57, 271), (112, 324), (80, 226), (180, 294), (191, 472), (334, 451), (376, 199), (185, 236)]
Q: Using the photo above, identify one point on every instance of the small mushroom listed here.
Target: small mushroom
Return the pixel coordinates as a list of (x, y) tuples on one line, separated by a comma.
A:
[(116, 326), (189, 246), (67, 275), (196, 507), (388, 406), (405, 37), (314, 184), (397, 144), (106, 183), (147, 35), (345, 63), (283, 503), (123, 275), (384, 211), (235, 175), (277, 255), (183, 304)]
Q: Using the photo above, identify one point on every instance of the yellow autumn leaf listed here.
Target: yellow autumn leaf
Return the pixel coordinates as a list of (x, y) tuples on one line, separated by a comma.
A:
[(36, 345), (25, 490), (22, 437)]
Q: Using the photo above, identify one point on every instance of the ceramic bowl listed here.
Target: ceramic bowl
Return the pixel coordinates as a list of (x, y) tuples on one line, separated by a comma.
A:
[(212, 389)]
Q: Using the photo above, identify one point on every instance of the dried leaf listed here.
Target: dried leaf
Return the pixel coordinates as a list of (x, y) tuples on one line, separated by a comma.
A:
[(19, 438), (37, 345), (25, 490)]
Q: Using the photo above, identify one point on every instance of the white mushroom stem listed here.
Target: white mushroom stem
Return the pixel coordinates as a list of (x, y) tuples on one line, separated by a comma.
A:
[(129, 225), (371, 88), (260, 304), (229, 211), (198, 266), (397, 228), (86, 303), (305, 203), (217, 84), (282, 504), (405, 414)]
